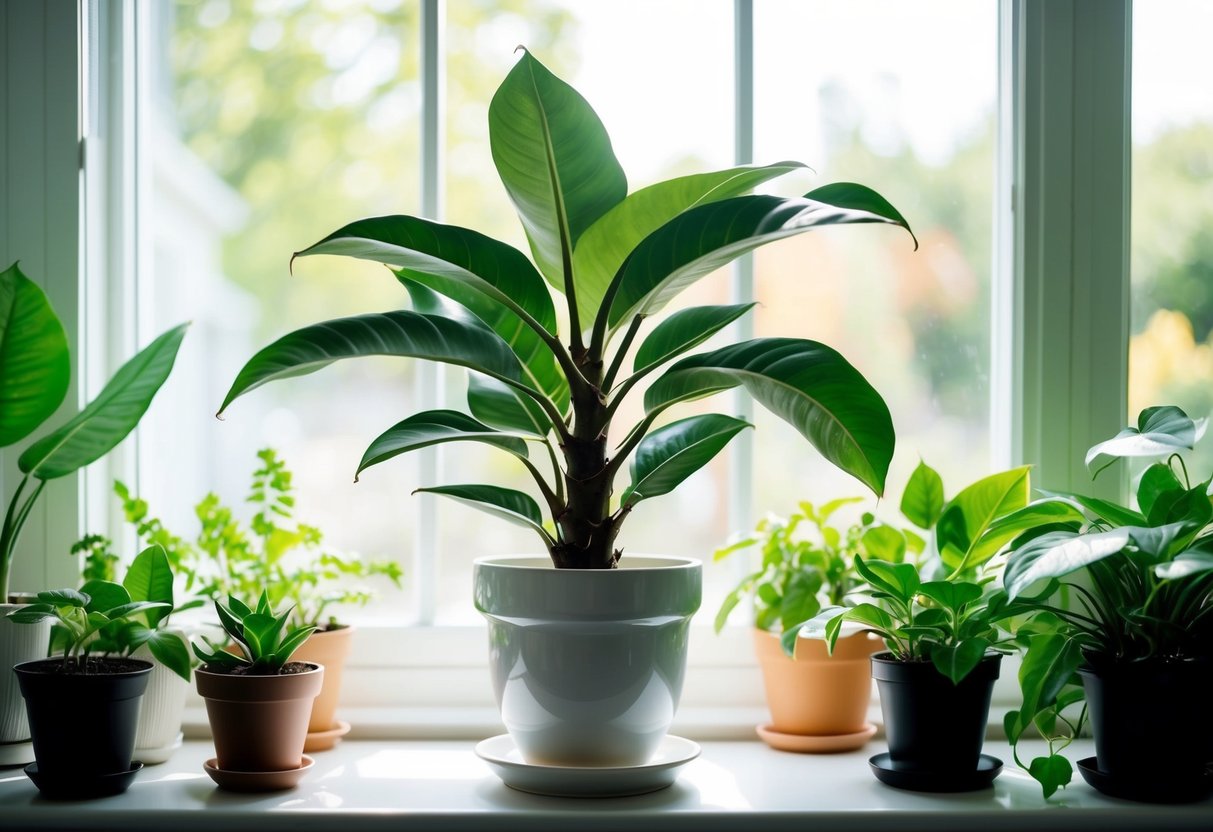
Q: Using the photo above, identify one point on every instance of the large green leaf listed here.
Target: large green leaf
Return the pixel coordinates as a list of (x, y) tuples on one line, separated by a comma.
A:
[(684, 330), (34, 363), (808, 385), (107, 419), (150, 578), (701, 240), (608, 242), (1105, 510), (1047, 512), (516, 507), (555, 160), (504, 407), (1057, 554), (957, 660), (1157, 491), (169, 649), (105, 595), (1160, 431), (965, 519), (922, 501), (402, 333), (434, 427), (1048, 666), (670, 454)]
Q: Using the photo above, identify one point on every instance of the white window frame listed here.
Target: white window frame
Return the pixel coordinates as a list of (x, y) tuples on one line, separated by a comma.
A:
[(1059, 322)]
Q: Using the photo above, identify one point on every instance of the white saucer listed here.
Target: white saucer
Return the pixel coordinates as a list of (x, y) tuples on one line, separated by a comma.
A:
[(156, 756), (506, 762), (18, 753)]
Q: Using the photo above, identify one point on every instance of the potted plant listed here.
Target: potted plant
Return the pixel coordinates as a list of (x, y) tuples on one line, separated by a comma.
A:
[(937, 619), (818, 699), (150, 578), (1123, 626), (35, 369), (258, 701), (83, 706), (583, 671), (282, 557)]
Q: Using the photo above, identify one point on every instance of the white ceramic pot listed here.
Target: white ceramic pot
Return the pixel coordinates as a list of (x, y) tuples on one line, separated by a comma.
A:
[(588, 664), (160, 715), (18, 643)]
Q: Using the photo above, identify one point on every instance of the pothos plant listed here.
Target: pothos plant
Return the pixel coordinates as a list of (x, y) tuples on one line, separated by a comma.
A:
[(942, 607), (273, 552), (807, 562), (35, 369), (1121, 584), (112, 619), (618, 259)]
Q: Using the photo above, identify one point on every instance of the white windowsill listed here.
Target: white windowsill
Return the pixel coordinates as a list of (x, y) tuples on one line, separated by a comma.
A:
[(442, 785)]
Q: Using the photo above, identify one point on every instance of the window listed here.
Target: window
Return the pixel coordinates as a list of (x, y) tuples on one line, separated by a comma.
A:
[(336, 93)]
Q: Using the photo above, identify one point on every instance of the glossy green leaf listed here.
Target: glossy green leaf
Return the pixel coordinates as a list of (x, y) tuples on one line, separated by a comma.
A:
[(800, 599), (105, 595), (1189, 563), (516, 507), (683, 330), (1052, 772), (701, 240), (434, 427), (1102, 509), (555, 159), (956, 661), (63, 598), (608, 242), (670, 454), (35, 366), (1056, 554), (807, 384), (1160, 431), (31, 614), (1049, 664), (967, 517), (1158, 481), (506, 408), (922, 501), (898, 579), (150, 578), (1048, 512), (884, 542), (107, 419), (952, 595), (169, 649), (402, 333), (293, 641)]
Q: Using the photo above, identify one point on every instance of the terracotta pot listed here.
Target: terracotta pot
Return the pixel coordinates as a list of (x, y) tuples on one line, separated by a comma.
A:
[(259, 723), (817, 694), (329, 649)]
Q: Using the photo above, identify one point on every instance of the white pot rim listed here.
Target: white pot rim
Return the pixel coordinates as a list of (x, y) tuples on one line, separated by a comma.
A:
[(629, 563)]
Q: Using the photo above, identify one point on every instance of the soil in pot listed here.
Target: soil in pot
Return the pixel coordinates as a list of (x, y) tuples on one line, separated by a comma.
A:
[(259, 722), (329, 648), (933, 726), (1151, 719), (83, 716), (818, 694)]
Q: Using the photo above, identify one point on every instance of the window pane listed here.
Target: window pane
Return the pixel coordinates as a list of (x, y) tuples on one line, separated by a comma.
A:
[(668, 108), (276, 123), (1171, 261), (870, 92)]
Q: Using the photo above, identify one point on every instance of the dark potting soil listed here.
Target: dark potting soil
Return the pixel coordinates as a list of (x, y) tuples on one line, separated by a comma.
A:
[(288, 669), (89, 666)]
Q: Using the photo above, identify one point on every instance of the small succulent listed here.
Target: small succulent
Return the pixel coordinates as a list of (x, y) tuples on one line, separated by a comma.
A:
[(265, 643)]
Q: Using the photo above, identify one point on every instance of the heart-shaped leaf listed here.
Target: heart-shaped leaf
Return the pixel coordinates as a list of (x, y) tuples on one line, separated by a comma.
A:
[(434, 427), (670, 454), (1158, 482), (807, 384), (35, 366), (1160, 431), (1051, 772)]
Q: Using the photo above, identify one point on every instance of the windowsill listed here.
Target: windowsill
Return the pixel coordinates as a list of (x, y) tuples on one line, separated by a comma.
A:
[(442, 785)]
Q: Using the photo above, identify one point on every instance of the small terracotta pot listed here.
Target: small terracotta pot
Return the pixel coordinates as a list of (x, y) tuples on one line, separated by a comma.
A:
[(329, 649), (817, 694), (259, 723)]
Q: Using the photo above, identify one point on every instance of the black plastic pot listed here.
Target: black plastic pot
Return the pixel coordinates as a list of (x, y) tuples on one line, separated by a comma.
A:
[(83, 725), (1150, 718), (933, 726)]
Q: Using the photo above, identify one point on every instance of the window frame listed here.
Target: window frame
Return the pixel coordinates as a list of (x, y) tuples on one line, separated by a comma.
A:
[(1063, 185)]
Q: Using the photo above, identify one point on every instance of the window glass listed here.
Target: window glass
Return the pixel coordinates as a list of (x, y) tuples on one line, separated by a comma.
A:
[(899, 97), (1171, 260)]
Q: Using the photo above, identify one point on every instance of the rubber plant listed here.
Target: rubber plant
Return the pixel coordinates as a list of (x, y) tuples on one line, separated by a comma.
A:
[(617, 259), (35, 368)]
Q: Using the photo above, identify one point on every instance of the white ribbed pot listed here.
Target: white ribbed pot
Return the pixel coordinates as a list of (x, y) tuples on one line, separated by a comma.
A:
[(588, 664), (160, 715), (18, 643)]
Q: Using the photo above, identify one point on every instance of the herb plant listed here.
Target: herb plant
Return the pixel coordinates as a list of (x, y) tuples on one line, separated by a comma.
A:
[(35, 367), (1123, 584), (806, 561), (285, 558), (266, 643), (618, 259), (108, 618)]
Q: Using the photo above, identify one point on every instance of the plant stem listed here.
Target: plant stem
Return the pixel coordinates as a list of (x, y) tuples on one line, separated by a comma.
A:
[(622, 352)]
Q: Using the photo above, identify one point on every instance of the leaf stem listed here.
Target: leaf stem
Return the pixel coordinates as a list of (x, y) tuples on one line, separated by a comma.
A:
[(621, 354)]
